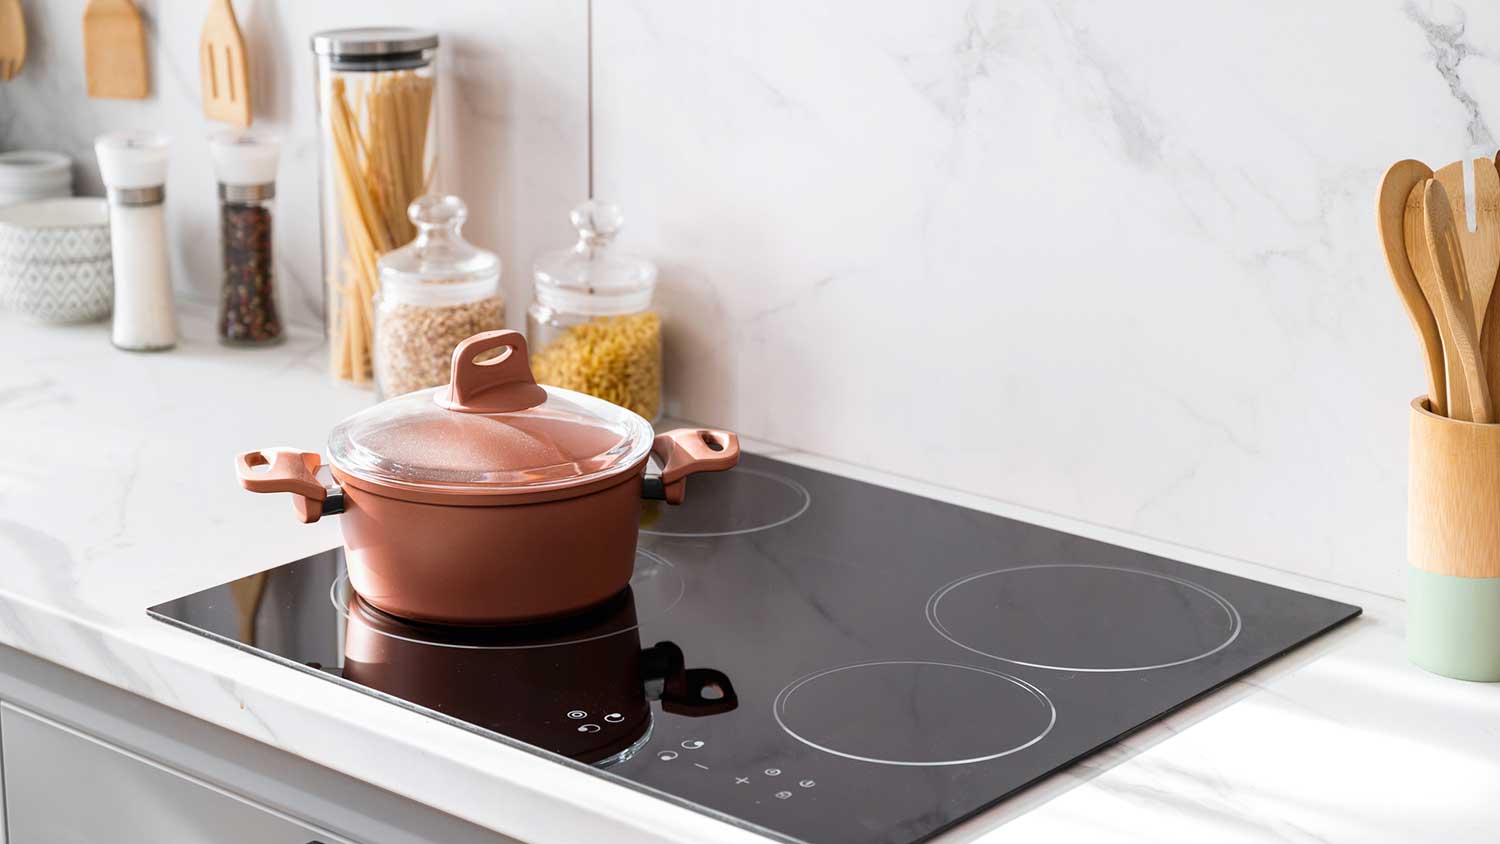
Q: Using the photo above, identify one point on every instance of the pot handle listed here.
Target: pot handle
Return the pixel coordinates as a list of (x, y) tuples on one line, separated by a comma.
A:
[(294, 472), (503, 384), (687, 451)]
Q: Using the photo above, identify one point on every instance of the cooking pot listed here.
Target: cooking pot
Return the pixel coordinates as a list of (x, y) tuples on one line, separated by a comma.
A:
[(580, 686), (490, 500)]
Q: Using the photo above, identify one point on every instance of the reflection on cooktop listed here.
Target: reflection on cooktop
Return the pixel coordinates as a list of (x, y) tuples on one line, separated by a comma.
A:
[(771, 665)]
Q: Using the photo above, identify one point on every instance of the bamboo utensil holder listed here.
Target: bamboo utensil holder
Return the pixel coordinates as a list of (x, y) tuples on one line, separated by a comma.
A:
[(1453, 546)]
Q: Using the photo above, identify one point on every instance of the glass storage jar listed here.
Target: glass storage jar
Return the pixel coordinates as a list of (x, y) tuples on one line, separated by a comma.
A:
[(435, 292), (378, 129), (591, 326), (245, 163)]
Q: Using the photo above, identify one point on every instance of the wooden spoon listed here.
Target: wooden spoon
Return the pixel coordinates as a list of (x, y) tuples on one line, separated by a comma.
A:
[(1390, 218), (1414, 232), (1448, 261)]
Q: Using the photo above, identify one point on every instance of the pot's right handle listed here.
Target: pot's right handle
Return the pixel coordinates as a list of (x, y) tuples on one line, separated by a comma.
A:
[(294, 472), (687, 451)]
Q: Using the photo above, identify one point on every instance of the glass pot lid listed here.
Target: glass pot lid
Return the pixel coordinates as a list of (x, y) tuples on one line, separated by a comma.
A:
[(492, 430)]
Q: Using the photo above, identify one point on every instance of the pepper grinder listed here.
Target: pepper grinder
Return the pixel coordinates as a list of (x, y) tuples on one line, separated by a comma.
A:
[(133, 166)]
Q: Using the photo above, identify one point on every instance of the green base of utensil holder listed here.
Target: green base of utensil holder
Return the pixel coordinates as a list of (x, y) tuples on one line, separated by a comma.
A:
[(1453, 624)]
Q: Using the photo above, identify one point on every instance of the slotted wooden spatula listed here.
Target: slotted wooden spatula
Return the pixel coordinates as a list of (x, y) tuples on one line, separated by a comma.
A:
[(12, 39), (226, 72), (114, 51)]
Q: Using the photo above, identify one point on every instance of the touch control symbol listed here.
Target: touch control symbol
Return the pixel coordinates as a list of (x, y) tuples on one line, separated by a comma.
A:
[(807, 783), (782, 795), (667, 755), (578, 715), (741, 780), (692, 744), (773, 772), (588, 728), (614, 718)]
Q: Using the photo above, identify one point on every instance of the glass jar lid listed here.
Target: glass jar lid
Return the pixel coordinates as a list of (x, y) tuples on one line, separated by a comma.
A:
[(376, 48), (439, 266), (493, 430), (592, 277)]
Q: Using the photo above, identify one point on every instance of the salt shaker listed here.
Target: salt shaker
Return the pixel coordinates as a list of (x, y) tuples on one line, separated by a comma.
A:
[(245, 163), (134, 168)]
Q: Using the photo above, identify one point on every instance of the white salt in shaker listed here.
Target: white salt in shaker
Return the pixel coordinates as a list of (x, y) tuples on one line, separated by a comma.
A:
[(134, 168)]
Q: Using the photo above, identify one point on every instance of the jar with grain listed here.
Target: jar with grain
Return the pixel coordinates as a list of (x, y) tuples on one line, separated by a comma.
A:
[(591, 325), (435, 292)]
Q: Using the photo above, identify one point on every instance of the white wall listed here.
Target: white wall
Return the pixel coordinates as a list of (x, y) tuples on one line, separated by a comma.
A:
[(1115, 260)]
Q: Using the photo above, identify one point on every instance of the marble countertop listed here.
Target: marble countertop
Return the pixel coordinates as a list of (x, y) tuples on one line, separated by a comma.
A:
[(116, 494)]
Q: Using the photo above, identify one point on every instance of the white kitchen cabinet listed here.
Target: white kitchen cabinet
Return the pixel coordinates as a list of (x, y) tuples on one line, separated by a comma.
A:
[(84, 761), (64, 786)]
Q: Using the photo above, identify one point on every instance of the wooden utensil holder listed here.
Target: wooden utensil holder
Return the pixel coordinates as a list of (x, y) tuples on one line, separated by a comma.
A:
[(1453, 546)]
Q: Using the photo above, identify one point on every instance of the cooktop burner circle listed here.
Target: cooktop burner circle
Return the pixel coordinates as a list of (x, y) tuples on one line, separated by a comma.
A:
[(914, 713), (1083, 618), (656, 587), (728, 504)]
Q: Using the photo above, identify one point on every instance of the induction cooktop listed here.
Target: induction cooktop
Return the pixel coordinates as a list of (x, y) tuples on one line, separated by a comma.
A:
[(815, 658)]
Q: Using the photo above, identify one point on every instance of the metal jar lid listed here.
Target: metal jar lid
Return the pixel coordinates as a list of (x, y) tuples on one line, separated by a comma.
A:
[(375, 47)]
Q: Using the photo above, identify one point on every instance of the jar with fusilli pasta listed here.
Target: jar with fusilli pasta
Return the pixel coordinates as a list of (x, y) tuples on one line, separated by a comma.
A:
[(591, 326)]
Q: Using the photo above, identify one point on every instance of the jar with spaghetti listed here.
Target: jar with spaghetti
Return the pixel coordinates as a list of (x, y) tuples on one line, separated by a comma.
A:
[(591, 326), (435, 292), (376, 103)]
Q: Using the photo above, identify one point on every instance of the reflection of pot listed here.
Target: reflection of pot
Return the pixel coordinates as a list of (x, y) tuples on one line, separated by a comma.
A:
[(580, 687), (490, 500)]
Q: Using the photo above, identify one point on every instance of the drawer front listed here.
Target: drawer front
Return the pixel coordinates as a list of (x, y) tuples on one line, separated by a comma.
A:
[(62, 786)]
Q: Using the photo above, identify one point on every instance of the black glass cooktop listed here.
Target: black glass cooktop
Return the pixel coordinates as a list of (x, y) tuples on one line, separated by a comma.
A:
[(819, 659)]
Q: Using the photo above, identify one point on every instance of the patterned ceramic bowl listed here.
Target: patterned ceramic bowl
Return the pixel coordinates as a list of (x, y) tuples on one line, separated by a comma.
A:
[(75, 291), (54, 231)]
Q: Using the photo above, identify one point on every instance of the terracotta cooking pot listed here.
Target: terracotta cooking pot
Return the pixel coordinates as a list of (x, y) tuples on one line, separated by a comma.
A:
[(579, 686), (490, 500)]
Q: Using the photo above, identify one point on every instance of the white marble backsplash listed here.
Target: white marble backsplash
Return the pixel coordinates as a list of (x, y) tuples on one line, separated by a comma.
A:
[(1111, 260)]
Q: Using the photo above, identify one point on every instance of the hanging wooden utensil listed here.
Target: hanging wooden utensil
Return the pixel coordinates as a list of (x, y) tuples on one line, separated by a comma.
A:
[(225, 68), (114, 51), (12, 39), (1390, 218), (1448, 263)]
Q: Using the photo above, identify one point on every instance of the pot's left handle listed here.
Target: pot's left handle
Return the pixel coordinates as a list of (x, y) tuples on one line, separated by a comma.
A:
[(291, 471), (688, 451)]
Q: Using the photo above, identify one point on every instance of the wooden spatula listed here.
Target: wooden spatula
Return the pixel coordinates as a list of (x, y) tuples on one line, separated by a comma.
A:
[(1448, 263), (12, 39), (114, 51), (1481, 247), (226, 72)]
